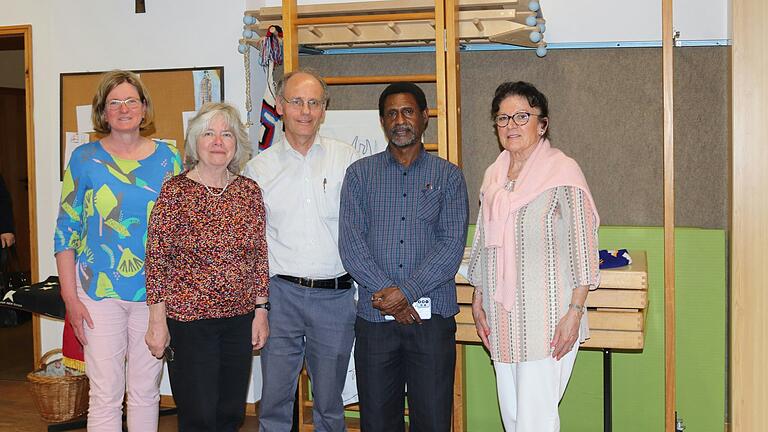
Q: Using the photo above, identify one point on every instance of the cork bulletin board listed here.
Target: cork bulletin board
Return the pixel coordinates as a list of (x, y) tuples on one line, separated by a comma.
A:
[(173, 92)]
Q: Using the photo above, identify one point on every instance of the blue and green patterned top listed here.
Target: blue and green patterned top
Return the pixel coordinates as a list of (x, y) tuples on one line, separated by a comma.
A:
[(105, 206)]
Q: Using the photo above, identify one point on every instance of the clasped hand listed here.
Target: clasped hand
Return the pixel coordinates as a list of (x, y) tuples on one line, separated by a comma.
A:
[(392, 301)]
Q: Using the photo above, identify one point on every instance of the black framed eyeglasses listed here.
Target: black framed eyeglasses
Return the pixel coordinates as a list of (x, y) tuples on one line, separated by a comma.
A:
[(519, 118)]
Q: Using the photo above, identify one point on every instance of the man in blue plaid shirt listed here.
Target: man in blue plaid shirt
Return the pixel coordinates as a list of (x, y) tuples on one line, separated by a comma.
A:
[(402, 232)]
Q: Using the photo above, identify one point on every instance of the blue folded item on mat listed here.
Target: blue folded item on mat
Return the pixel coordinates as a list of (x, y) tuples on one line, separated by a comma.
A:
[(610, 258)]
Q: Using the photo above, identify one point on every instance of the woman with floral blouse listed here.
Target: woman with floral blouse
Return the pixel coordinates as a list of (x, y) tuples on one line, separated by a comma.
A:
[(207, 274)]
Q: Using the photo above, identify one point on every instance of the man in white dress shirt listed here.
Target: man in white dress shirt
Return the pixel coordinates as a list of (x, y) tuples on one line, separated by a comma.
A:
[(313, 309)]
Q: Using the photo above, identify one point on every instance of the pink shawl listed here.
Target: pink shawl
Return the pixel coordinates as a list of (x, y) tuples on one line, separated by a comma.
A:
[(545, 169)]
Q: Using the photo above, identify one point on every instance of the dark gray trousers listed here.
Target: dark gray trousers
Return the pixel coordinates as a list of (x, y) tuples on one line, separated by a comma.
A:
[(306, 323)]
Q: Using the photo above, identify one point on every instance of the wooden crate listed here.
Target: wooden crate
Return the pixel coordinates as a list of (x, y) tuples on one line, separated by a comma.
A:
[(616, 309)]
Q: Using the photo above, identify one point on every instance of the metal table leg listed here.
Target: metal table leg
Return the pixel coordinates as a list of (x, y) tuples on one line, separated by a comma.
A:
[(607, 396)]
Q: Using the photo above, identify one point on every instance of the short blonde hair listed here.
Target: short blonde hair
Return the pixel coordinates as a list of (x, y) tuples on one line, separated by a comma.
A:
[(202, 120), (109, 81)]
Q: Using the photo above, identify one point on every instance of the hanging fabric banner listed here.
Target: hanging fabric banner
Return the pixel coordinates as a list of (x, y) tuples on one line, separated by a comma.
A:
[(270, 54)]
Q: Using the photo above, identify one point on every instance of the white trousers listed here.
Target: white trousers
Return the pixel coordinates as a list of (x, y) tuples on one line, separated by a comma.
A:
[(529, 392)]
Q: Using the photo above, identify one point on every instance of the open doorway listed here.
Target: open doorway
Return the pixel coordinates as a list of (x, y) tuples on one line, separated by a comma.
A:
[(17, 170)]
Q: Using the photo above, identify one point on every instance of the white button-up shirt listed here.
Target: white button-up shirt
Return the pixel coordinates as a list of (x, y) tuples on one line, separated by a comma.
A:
[(301, 196)]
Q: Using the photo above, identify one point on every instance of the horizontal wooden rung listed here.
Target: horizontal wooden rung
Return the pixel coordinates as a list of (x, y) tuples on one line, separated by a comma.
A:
[(618, 298), (614, 339), (633, 276), (628, 321), (464, 293), (380, 79), (351, 19), (465, 315), (466, 333)]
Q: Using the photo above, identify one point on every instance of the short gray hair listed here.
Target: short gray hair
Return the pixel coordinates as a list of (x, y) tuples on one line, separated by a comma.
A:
[(280, 88), (202, 120)]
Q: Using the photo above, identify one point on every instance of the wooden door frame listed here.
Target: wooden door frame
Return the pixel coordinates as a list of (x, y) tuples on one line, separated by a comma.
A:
[(25, 31)]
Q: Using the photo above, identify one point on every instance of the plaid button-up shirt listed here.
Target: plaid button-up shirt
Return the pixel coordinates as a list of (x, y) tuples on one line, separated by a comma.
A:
[(405, 227)]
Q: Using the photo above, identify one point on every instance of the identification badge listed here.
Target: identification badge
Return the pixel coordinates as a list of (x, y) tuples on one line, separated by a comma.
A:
[(423, 307)]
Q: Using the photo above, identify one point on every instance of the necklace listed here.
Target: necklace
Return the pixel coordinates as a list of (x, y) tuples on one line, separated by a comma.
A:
[(210, 192)]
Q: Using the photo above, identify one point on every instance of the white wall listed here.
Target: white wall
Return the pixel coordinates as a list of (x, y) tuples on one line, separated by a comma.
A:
[(12, 71), (570, 21), (96, 35)]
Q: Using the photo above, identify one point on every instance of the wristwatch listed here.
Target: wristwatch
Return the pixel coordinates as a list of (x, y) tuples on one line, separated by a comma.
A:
[(266, 306)]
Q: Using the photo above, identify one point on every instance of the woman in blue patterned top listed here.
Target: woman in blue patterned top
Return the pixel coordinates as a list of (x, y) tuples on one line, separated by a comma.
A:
[(109, 189)]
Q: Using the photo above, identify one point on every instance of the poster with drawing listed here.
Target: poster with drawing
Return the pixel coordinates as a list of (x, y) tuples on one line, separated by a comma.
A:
[(359, 128)]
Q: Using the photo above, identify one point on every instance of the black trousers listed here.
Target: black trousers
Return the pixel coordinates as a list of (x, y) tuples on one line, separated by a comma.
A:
[(210, 372), (390, 355)]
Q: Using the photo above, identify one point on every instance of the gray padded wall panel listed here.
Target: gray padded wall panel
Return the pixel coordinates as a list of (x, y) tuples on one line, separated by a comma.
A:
[(605, 112)]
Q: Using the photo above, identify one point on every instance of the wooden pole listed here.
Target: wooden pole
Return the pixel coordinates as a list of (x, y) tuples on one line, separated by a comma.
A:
[(290, 36), (453, 81), (440, 87), (669, 216)]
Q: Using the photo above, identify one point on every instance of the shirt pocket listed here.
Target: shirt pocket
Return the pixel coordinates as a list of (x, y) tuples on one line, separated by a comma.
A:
[(330, 197), (429, 204)]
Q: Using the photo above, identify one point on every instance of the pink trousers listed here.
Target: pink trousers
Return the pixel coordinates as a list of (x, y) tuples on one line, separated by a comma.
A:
[(117, 361)]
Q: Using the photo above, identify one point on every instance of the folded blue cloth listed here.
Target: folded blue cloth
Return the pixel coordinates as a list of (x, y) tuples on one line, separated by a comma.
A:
[(614, 258)]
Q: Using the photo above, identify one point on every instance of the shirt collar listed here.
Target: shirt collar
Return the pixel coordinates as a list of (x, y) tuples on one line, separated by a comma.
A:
[(318, 145), (391, 159)]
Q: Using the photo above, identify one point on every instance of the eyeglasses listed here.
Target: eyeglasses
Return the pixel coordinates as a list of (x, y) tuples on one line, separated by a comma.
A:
[(519, 118), (298, 103), (130, 103)]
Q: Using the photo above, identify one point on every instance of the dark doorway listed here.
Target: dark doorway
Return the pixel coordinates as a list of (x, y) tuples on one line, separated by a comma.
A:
[(16, 332)]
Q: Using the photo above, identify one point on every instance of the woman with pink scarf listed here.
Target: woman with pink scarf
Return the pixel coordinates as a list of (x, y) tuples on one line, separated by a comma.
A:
[(534, 260)]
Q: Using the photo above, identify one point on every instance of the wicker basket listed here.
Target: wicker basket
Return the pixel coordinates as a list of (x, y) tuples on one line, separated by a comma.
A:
[(58, 398)]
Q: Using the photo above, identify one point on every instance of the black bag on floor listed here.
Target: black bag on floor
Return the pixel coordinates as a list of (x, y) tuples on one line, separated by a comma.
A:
[(10, 281)]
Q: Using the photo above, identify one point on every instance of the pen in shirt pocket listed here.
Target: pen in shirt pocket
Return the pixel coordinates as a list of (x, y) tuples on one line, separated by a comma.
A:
[(325, 183)]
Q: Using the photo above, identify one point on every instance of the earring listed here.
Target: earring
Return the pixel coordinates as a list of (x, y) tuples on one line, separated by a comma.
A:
[(541, 133)]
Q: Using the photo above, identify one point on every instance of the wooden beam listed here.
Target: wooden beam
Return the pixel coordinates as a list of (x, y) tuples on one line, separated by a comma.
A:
[(346, 19), (391, 6), (441, 85), (290, 36), (378, 79), (453, 82), (669, 217), (749, 213), (32, 179)]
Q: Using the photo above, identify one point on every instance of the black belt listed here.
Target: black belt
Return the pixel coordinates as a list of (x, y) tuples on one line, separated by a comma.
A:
[(341, 282)]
